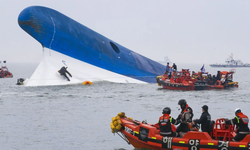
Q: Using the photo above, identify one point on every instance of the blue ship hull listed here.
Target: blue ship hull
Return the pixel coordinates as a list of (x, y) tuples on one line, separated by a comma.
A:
[(62, 34)]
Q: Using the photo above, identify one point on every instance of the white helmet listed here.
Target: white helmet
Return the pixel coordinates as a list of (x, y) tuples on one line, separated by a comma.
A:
[(237, 110)]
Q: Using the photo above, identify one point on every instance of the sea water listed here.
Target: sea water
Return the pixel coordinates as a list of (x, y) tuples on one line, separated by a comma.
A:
[(78, 117)]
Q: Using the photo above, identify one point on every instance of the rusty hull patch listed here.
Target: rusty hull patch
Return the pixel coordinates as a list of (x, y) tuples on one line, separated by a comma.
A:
[(35, 23)]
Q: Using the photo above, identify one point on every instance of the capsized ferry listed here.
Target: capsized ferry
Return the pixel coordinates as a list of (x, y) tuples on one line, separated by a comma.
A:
[(88, 55), (144, 135), (183, 80)]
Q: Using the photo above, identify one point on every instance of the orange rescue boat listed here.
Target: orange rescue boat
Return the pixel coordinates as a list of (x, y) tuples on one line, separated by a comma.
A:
[(143, 135), (182, 80)]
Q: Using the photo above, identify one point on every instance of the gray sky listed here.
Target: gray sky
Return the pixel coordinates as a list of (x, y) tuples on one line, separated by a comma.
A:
[(192, 31)]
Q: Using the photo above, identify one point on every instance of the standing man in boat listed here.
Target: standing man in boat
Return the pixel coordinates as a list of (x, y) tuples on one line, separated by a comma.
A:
[(167, 69), (204, 119), (241, 121), (218, 77), (170, 72), (174, 67), (185, 116), (165, 122), (63, 72)]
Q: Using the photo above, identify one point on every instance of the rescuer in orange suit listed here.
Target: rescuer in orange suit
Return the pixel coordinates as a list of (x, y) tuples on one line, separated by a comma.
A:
[(185, 116), (165, 122), (241, 121)]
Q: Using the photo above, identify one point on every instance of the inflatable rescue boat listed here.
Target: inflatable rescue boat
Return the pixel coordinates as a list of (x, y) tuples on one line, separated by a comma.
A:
[(144, 135), (182, 80), (4, 73)]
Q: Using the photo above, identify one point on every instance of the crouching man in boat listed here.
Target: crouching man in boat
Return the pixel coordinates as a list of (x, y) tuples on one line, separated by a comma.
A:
[(63, 72), (204, 120), (165, 122), (185, 116), (241, 121)]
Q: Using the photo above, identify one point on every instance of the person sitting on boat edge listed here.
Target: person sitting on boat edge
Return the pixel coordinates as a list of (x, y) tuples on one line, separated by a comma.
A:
[(184, 117), (241, 121), (204, 120), (209, 79), (194, 75), (63, 72), (165, 122)]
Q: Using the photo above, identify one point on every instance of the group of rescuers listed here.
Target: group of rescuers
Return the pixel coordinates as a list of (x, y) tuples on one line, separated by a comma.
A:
[(209, 79), (185, 118)]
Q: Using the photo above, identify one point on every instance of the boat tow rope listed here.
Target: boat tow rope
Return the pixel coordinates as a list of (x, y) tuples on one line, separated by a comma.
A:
[(53, 34), (124, 138)]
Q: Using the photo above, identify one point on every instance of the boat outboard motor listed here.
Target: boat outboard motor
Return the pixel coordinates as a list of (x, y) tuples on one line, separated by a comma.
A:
[(20, 81), (211, 126)]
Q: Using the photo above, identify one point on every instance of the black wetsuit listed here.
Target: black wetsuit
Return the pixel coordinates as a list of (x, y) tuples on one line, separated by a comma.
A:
[(174, 67), (218, 77), (204, 121), (63, 71)]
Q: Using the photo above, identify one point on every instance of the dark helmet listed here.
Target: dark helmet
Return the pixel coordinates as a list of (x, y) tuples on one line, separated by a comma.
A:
[(205, 108), (166, 110), (182, 103)]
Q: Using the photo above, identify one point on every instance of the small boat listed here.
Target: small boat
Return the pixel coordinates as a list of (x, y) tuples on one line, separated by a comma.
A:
[(231, 63), (144, 135), (4, 73), (182, 80), (20, 81)]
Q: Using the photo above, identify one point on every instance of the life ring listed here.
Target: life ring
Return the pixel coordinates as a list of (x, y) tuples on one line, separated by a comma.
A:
[(87, 82), (218, 82)]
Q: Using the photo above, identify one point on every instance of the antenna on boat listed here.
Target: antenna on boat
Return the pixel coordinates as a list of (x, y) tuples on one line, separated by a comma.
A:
[(124, 138)]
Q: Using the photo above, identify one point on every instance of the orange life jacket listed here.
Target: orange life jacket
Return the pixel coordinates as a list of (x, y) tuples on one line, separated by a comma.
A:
[(186, 111), (243, 117), (165, 124)]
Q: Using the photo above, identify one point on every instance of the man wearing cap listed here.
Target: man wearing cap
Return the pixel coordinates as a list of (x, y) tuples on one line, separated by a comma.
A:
[(241, 121), (204, 119)]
